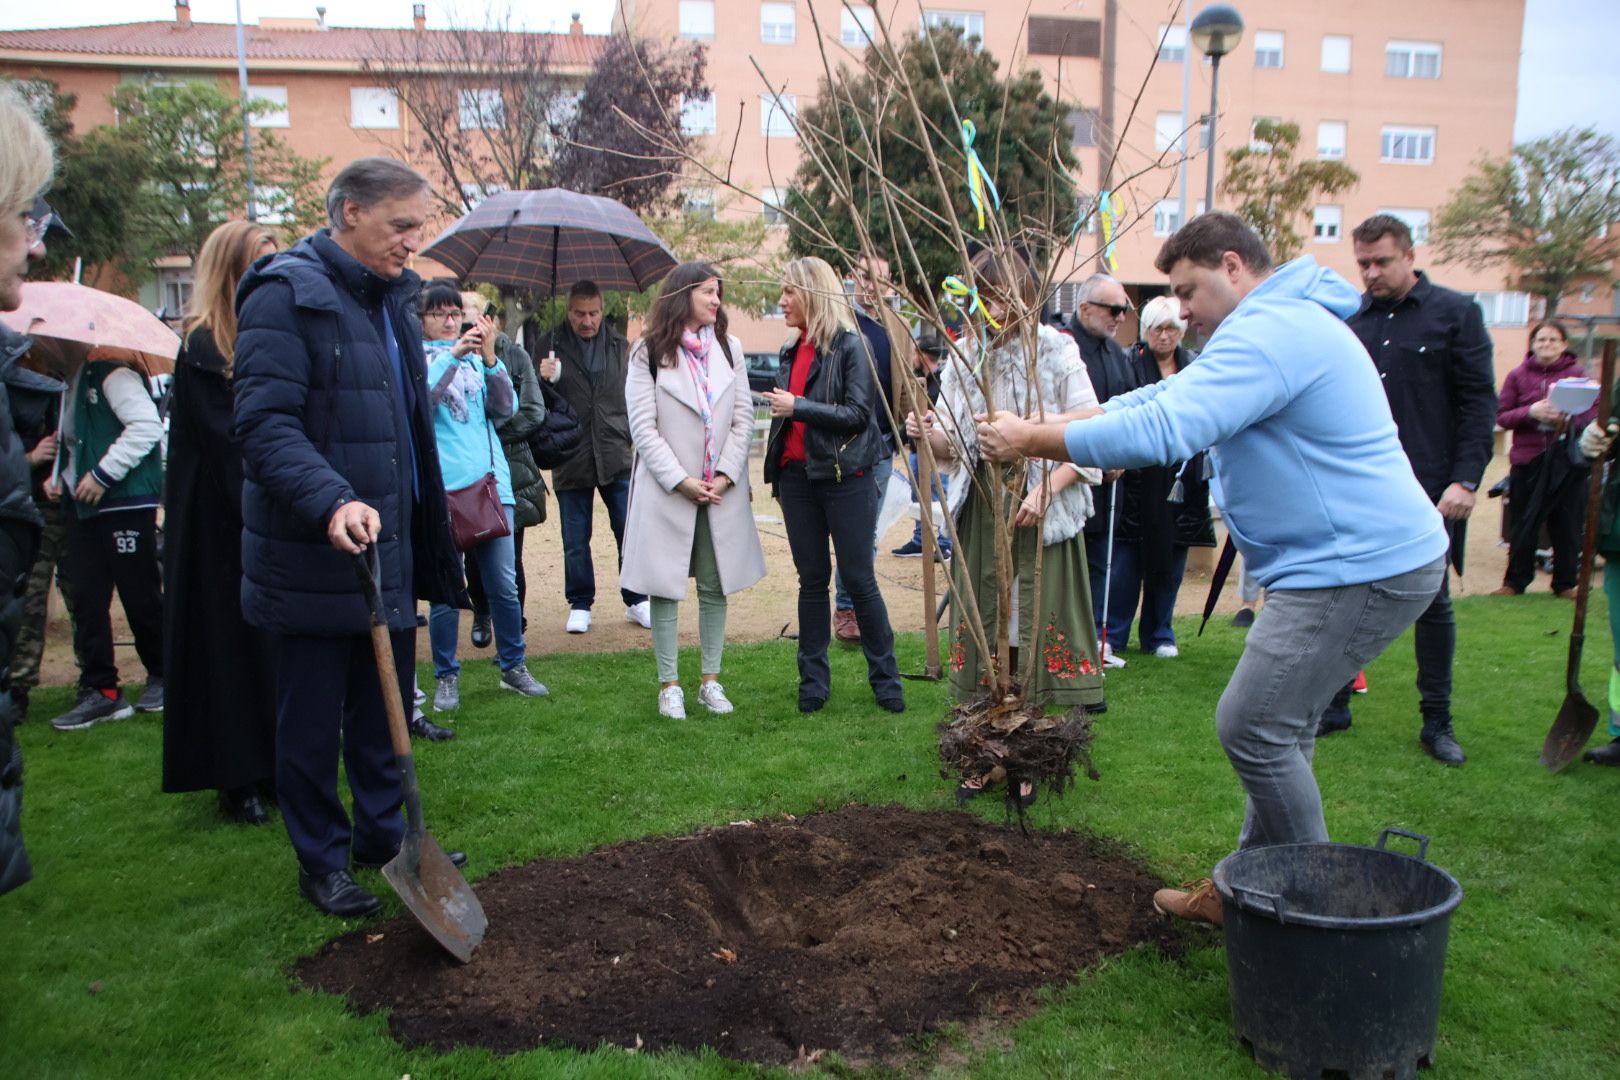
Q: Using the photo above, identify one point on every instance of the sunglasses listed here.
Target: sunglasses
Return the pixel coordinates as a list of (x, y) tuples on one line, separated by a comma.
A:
[(1114, 310)]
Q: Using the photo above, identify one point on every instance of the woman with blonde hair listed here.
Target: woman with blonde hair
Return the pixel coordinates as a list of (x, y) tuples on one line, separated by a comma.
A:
[(824, 441), (690, 515), (219, 722)]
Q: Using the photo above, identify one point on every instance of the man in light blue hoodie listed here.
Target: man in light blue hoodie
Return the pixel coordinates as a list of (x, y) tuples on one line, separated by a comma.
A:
[(1313, 486)]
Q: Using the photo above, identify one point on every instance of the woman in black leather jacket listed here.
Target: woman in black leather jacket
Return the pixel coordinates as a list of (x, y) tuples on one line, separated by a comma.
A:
[(824, 441)]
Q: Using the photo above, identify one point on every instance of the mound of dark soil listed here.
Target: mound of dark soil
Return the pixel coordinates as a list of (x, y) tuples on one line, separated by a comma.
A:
[(850, 931)]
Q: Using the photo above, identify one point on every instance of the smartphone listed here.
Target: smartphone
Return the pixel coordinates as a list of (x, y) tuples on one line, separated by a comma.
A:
[(466, 325)]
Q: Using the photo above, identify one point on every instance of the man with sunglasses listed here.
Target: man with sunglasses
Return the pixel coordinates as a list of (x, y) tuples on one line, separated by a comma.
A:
[(1097, 318)]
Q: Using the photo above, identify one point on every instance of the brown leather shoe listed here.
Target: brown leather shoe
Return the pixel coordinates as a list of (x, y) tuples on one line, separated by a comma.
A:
[(845, 628), (1505, 590), (1567, 594), (1201, 904)]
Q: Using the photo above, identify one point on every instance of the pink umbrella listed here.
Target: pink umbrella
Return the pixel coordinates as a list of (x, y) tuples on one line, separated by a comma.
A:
[(77, 313)]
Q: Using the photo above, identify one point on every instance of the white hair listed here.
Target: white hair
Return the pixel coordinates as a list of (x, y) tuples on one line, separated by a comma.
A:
[(1162, 310), (1089, 287)]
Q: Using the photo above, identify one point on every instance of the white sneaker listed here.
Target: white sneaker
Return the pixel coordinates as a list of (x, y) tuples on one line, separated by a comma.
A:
[(640, 614), (672, 702), (1110, 660), (713, 697), (1169, 652), (579, 620)]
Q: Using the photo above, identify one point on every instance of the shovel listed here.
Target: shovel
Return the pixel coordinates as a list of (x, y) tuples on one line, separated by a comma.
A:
[(422, 874), (1577, 717)]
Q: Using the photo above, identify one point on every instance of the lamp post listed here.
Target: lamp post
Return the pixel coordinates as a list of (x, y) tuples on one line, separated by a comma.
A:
[(1216, 31)]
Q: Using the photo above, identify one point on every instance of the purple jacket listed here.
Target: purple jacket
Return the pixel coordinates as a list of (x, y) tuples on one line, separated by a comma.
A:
[(1525, 385)]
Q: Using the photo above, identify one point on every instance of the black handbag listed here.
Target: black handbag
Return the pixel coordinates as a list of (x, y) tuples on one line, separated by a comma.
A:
[(559, 434)]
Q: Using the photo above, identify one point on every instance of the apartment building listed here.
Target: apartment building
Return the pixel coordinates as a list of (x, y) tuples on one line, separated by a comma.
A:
[(329, 104), (1410, 95)]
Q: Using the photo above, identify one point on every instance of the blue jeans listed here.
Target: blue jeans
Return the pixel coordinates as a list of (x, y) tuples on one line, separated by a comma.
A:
[(942, 485), (1305, 644), (579, 573), (498, 569), (1158, 605), (881, 470)]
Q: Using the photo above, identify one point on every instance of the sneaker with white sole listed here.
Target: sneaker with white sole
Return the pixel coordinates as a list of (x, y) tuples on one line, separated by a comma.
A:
[(1169, 652), (579, 620), (151, 699), (93, 707), (421, 695), (447, 694), (640, 614), (1110, 659), (518, 678), (672, 702), (713, 697)]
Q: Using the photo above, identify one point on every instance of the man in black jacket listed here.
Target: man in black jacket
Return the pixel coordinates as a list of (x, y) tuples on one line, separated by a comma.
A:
[(586, 359), (1431, 347), (336, 427), (1097, 317)]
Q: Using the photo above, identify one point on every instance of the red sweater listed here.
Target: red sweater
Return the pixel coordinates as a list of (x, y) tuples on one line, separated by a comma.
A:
[(803, 357)]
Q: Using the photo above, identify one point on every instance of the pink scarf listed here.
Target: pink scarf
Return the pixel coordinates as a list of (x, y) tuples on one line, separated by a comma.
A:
[(696, 348)]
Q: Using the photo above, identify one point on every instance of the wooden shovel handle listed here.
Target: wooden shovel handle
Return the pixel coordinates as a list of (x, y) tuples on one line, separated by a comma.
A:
[(1594, 500)]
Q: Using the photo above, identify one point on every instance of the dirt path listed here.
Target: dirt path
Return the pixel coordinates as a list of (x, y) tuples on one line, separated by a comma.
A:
[(763, 611)]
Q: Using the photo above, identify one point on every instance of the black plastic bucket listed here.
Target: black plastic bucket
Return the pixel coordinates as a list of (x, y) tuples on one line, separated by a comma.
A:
[(1336, 954)]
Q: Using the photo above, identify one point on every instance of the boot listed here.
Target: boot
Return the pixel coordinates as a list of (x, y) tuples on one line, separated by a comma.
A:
[(1604, 755), (1440, 741)]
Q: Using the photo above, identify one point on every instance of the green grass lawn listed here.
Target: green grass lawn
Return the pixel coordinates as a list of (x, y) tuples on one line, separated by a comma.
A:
[(156, 940)]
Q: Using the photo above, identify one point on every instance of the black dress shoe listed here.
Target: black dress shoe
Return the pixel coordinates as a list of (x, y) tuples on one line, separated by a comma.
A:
[(243, 806), (458, 859), (1605, 755), (1332, 722), (482, 633), (421, 727), (894, 704), (1441, 744), (337, 894)]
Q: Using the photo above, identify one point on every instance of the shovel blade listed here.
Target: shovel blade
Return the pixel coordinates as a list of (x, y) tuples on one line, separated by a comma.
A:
[(1577, 719), (439, 897)]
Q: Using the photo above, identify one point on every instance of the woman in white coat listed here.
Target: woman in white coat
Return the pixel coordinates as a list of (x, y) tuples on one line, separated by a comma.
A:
[(690, 515)]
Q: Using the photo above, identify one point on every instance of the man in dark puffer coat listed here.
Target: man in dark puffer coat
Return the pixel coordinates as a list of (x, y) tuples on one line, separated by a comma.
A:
[(336, 429)]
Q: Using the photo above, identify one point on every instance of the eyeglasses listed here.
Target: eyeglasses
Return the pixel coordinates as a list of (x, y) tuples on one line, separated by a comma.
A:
[(1115, 311), (448, 314), (36, 227)]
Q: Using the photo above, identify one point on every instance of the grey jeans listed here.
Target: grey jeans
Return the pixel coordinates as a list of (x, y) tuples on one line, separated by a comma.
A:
[(1305, 644)]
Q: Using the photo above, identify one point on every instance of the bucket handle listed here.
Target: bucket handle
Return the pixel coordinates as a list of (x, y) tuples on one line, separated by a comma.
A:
[(1422, 841), (1276, 901)]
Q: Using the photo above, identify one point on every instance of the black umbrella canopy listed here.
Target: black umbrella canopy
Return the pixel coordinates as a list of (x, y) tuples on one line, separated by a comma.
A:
[(547, 240)]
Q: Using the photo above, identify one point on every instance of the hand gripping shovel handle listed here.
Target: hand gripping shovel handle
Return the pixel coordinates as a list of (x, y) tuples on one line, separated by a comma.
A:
[(368, 569)]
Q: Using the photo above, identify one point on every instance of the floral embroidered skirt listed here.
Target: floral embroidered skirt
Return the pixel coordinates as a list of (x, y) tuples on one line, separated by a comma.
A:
[(1069, 669)]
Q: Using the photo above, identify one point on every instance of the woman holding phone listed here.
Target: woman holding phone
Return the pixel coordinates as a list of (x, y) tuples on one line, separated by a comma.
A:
[(824, 441)]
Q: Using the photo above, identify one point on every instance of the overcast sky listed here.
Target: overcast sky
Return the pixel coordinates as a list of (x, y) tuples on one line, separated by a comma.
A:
[(1567, 75)]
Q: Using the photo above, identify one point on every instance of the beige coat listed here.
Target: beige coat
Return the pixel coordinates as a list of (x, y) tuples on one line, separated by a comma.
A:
[(668, 436)]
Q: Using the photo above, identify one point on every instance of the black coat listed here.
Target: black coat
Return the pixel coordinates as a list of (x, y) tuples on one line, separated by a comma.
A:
[(1146, 516), (320, 421), (605, 450), (219, 717), (838, 410), (1111, 372)]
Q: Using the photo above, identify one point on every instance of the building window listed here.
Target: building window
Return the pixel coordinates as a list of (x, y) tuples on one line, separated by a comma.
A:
[(777, 23), (698, 202), (697, 117), (857, 26), (1409, 145), (971, 23), (1268, 49), (272, 112), (1335, 54), (481, 109), (1326, 223), (777, 113), (770, 209), (1330, 135), (1082, 127), (697, 19), (373, 107), (1169, 133), (1255, 143), (1588, 292), (1416, 220), (175, 286), (1412, 60), (1504, 308), (1172, 44), (1166, 216), (475, 192), (270, 205)]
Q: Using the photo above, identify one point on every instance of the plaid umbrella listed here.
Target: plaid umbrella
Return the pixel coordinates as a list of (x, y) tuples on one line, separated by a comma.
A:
[(86, 319), (545, 239)]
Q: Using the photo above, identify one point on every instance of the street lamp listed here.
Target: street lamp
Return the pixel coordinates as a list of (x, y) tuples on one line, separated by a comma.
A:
[(1216, 31)]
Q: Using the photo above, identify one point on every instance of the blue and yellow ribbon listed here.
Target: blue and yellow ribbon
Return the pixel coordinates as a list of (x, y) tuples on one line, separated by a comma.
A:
[(1110, 209), (978, 178), (968, 297)]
